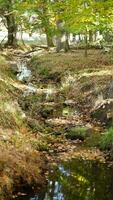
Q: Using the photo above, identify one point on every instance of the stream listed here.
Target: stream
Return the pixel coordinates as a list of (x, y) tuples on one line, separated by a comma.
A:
[(77, 180)]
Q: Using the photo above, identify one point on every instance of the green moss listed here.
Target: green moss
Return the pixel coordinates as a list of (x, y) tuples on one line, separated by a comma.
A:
[(77, 133)]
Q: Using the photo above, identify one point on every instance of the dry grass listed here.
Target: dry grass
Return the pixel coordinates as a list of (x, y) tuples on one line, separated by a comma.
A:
[(19, 169)]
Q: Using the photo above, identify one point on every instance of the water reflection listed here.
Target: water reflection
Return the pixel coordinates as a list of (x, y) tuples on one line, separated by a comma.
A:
[(34, 198), (63, 171), (78, 180)]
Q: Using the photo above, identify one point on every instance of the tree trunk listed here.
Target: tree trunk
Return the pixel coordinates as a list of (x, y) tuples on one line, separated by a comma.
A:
[(49, 40), (79, 37), (12, 29), (66, 43), (58, 44), (90, 36), (62, 44), (62, 37), (95, 36), (86, 44)]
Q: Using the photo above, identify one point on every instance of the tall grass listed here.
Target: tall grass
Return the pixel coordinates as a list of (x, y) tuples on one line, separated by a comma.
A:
[(106, 142)]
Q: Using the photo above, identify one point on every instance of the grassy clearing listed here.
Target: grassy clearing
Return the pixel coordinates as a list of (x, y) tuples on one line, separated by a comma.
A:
[(62, 63)]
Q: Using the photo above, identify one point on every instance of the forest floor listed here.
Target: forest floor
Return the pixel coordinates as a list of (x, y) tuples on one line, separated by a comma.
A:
[(60, 119)]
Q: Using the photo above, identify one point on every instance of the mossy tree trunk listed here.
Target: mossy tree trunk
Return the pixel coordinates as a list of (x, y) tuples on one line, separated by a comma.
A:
[(12, 30)]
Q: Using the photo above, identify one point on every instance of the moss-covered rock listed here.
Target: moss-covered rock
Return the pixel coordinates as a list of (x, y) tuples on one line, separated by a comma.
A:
[(78, 133)]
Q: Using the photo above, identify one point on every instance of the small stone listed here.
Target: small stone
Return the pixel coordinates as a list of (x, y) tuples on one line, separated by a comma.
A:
[(51, 151)]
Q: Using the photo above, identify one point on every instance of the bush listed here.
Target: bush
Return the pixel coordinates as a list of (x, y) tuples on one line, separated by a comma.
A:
[(77, 133), (106, 142)]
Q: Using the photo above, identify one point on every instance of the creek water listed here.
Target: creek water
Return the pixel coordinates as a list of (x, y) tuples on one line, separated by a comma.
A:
[(77, 180)]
